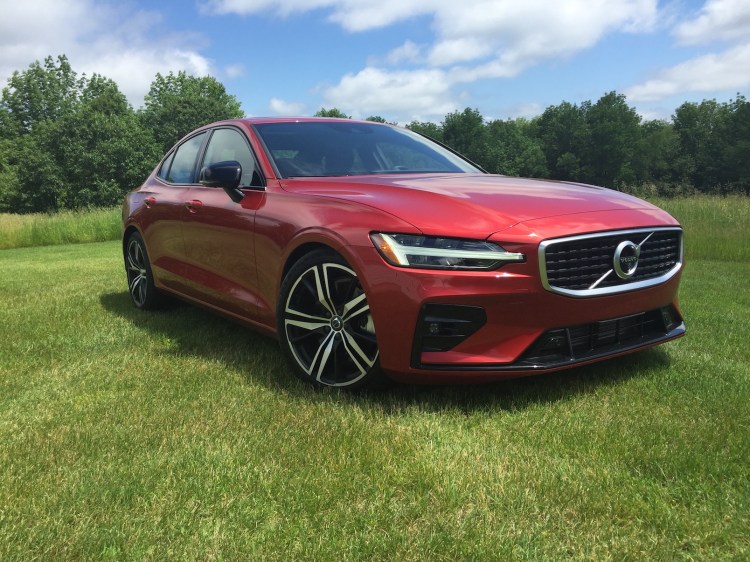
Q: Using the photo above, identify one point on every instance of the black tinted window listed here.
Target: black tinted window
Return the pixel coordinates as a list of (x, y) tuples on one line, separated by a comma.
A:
[(335, 148), (230, 144), (182, 169), (164, 170)]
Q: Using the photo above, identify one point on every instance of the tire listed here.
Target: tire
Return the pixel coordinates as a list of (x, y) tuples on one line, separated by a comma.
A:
[(324, 324), (143, 293)]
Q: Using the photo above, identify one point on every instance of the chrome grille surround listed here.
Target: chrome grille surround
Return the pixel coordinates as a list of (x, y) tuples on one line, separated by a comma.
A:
[(582, 265)]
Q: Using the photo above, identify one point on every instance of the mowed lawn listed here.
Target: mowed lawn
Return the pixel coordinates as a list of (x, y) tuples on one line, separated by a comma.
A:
[(180, 435)]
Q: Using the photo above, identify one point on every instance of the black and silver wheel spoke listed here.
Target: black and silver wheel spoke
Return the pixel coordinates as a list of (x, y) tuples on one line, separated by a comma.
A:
[(307, 325), (322, 355), (358, 305), (356, 354), (322, 289)]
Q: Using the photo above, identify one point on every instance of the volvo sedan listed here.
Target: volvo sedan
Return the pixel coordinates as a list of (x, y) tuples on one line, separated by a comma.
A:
[(371, 252)]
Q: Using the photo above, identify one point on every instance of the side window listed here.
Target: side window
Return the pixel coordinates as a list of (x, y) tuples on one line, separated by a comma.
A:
[(182, 169), (230, 144), (164, 170)]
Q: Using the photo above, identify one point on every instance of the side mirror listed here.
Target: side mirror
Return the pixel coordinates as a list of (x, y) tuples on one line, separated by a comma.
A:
[(225, 175)]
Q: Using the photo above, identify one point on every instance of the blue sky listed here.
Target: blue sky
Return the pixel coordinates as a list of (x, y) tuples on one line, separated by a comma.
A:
[(401, 59)]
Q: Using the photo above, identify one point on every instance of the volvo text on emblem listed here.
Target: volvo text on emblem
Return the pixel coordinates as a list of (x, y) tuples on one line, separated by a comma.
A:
[(626, 259)]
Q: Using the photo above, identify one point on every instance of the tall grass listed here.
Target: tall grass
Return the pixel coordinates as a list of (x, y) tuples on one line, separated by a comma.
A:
[(65, 227), (716, 228)]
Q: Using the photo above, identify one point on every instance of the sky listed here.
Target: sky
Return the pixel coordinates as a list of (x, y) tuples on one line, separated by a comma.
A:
[(403, 60)]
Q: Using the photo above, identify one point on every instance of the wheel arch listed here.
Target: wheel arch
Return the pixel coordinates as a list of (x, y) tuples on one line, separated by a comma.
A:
[(301, 251), (316, 241), (127, 233)]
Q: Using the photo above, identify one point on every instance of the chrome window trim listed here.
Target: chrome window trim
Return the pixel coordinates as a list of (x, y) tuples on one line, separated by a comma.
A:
[(602, 291)]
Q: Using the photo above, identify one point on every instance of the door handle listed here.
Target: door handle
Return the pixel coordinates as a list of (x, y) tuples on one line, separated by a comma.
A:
[(149, 202), (194, 205)]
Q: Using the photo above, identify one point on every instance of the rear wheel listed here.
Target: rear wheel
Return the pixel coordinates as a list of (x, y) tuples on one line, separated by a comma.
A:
[(141, 287), (325, 326)]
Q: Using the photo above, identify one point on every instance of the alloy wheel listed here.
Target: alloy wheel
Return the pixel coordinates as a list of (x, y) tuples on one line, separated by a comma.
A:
[(328, 325)]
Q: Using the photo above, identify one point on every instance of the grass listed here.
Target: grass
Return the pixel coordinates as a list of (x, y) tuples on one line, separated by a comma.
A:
[(716, 228), (65, 227), (180, 435)]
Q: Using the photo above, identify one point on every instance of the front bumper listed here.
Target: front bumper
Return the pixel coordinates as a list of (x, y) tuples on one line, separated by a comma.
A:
[(566, 347), (522, 327)]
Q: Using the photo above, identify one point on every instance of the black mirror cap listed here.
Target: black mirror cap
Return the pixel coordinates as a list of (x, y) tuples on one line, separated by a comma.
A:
[(225, 174)]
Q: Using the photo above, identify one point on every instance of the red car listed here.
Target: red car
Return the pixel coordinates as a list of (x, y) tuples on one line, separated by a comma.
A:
[(370, 251)]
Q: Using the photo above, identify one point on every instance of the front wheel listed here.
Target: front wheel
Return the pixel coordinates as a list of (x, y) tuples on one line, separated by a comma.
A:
[(325, 326)]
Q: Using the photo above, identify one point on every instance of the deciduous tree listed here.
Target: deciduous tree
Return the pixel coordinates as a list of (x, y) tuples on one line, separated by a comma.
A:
[(565, 136), (614, 130), (178, 103), (333, 112), (43, 92)]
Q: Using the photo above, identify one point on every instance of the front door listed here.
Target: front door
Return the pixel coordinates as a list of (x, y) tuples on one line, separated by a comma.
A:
[(219, 233)]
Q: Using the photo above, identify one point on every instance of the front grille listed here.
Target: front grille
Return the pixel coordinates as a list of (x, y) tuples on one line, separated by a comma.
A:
[(584, 265)]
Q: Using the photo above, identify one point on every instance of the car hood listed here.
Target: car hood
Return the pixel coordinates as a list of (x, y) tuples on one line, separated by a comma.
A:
[(470, 205)]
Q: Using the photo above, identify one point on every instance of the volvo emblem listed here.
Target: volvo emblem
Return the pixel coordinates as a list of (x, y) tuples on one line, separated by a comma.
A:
[(626, 259)]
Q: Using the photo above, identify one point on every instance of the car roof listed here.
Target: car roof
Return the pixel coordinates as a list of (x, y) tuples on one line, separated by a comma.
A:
[(266, 120)]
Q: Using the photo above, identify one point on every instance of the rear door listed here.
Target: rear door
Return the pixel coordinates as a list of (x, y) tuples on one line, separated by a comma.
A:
[(164, 211)]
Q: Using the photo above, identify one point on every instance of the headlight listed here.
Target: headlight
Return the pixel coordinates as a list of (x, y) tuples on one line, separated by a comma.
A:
[(433, 252)]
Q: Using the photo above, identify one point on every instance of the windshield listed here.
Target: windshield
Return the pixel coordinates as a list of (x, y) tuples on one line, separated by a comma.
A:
[(336, 148)]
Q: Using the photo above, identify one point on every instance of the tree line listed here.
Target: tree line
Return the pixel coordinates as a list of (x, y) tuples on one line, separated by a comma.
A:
[(704, 148), (70, 142)]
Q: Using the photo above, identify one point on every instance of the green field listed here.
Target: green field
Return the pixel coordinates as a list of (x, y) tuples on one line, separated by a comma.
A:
[(65, 227), (180, 435)]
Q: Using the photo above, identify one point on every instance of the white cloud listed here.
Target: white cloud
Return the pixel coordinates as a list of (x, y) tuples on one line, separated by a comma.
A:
[(234, 70), (527, 110), (729, 70), (135, 69), (719, 19), (473, 40), (352, 15), (457, 18), (521, 34), (245, 7), (459, 49), (417, 93), (25, 25), (408, 52), (489, 40), (538, 27), (362, 15), (96, 37), (281, 107), (724, 20)]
